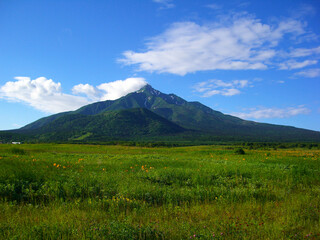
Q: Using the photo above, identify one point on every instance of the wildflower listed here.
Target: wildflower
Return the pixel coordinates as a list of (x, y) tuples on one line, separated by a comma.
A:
[(54, 164)]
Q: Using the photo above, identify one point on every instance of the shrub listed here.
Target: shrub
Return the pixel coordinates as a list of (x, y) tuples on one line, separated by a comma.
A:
[(239, 151), (18, 151)]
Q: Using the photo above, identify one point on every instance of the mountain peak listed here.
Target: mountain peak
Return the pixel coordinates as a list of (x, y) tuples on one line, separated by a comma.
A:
[(149, 89)]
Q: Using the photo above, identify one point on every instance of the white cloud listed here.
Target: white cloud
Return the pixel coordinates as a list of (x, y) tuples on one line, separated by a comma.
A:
[(117, 89), (111, 90), (309, 73), (304, 52), (263, 113), (47, 96), (88, 90), (219, 87), (165, 3), (292, 64), (232, 44), (42, 94)]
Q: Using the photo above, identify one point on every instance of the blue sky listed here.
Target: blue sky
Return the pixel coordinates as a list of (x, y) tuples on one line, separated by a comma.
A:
[(258, 60)]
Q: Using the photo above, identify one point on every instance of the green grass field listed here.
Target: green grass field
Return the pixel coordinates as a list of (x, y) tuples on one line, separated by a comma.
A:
[(52, 191)]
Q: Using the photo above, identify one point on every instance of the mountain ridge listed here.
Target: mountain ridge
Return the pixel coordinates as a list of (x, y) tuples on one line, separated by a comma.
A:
[(191, 120)]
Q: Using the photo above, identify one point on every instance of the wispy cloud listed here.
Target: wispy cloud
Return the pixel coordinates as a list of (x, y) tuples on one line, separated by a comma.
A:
[(47, 96), (304, 10), (214, 6), (15, 125), (292, 64), (219, 87), (264, 113), (165, 3), (233, 44), (304, 52), (309, 73)]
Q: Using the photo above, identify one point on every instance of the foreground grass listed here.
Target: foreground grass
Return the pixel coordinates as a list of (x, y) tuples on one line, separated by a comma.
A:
[(116, 192)]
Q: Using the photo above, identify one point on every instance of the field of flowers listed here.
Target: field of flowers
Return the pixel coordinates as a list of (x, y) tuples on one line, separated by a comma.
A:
[(50, 191)]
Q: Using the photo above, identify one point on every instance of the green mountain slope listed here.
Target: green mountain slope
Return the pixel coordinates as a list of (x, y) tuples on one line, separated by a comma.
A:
[(203, 122), (126, 124)]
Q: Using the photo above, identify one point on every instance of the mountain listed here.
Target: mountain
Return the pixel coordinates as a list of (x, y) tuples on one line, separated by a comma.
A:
[(150, 114), (128, 124)]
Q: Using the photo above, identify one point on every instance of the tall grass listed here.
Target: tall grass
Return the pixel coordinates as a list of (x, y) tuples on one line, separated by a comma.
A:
[(114, 192)]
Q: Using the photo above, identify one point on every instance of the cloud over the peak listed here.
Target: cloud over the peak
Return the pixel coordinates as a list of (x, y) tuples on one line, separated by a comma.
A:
[(110, 90), (47, 96), (264, 113), (219, 87), (233, 44)]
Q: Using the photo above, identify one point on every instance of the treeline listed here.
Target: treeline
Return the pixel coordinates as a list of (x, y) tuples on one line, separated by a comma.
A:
[(141, 144), (281, 145), (172, 143), (245, 145)]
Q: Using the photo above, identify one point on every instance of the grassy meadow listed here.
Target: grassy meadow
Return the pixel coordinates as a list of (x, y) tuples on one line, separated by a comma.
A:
[(50, 191)]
